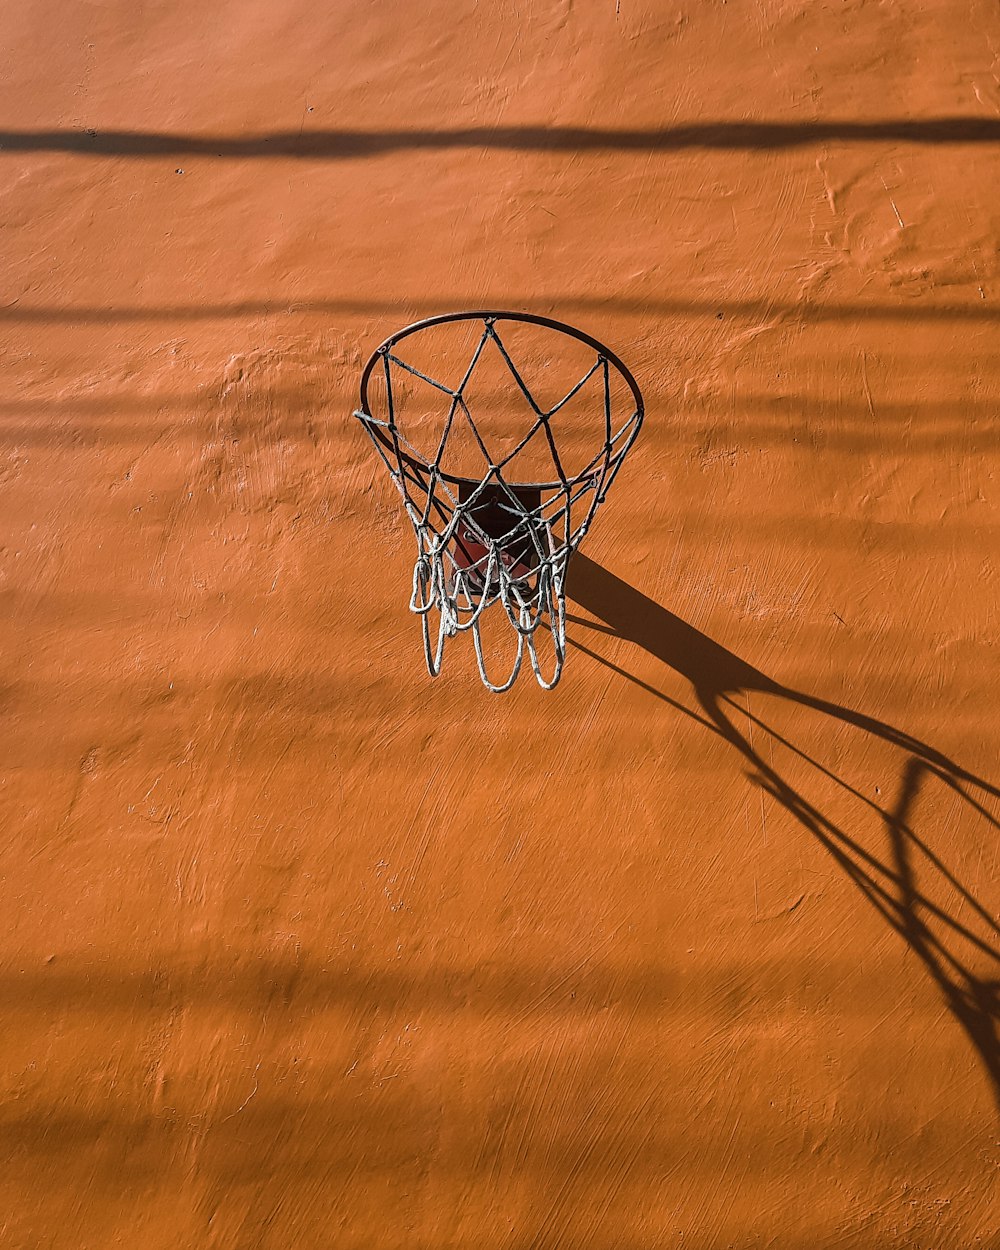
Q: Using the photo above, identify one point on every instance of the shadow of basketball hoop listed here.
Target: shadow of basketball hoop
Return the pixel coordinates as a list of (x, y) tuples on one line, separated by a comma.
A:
[(904, 878)]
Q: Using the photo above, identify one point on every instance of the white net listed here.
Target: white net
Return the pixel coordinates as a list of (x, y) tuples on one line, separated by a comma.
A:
[(487, 538)]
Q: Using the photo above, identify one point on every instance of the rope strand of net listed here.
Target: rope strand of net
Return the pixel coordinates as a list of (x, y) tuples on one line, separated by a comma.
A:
[(433, 587)]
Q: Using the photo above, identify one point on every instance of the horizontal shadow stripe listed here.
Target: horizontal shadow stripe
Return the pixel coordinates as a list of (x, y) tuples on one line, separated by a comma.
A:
[(405, 307), (366, 1131), (510, 993), (347, 144), (284, 403)]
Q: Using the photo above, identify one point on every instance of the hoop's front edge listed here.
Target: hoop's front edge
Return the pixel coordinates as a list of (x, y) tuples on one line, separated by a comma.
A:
[(483, 314)]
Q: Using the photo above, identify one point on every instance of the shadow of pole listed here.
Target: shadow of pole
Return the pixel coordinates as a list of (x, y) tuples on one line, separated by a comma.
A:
[(890, 884)]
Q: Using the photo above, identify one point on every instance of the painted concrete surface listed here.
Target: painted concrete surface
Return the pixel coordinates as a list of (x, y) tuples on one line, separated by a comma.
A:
[(301, 949)]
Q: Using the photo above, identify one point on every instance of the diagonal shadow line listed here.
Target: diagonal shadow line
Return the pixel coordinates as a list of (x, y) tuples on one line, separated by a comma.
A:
[(345, 144), (891, 887), (906, 310), (973, 1000), (918, 842)]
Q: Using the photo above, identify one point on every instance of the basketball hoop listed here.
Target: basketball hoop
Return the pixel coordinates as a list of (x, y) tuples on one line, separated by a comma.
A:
[(489, 538)]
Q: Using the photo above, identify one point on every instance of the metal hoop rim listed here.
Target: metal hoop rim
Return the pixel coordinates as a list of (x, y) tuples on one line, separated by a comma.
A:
[(484, 315)]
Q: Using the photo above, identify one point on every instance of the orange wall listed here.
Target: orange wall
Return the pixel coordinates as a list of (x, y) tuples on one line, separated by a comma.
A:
[(302, 949)]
